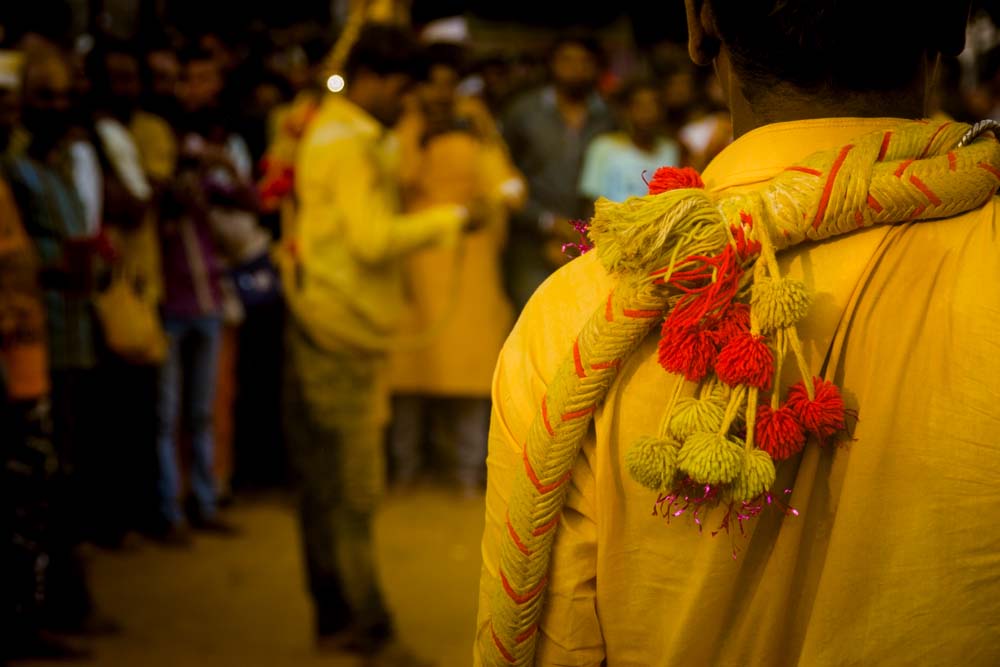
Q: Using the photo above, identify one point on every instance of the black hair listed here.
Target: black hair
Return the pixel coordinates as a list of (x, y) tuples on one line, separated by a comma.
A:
[(578, 37), (384, 50), (443, 54), (634, 86), (829, 46), (193, 53)]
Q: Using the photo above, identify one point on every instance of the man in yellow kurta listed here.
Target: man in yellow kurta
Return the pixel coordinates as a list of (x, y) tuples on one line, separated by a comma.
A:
[(342, 272), (891, 555)]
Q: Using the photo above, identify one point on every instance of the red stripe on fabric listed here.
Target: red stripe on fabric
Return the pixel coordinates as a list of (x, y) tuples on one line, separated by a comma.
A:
[(952, 161), (885, 146), (805, 170), (603, 366), (934, 199), (527, 634), (517, 540), (543, 488), (919, 210), (541, 530), (520, 598), (545, 418), (496, 641), (577, 361), (570, 416), (990, 168), (902, 167), (873, 203), (859, 218), (824, 200), (934, 136), (609, 311), (642, 314)]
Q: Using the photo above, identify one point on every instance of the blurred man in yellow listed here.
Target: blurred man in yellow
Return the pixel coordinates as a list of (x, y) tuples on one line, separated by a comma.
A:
[(603, 469), (452, 153), (342, 271)]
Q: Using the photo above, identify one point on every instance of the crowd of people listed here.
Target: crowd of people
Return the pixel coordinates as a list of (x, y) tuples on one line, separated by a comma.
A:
[(213, 275)]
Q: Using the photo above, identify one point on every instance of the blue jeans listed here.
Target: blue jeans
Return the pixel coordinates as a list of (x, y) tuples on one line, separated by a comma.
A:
[(189, 372)]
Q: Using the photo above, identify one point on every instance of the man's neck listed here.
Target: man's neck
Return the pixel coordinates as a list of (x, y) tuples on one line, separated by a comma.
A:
[(778, 107), (572, 109)]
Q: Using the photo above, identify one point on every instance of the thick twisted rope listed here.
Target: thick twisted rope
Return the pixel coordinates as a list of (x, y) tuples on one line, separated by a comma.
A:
[(905, 174)]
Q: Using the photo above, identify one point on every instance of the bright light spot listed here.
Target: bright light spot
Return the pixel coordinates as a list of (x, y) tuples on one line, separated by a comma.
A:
[(335, 83)]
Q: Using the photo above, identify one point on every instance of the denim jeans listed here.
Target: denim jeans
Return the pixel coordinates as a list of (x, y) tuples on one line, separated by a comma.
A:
[(189, 373)]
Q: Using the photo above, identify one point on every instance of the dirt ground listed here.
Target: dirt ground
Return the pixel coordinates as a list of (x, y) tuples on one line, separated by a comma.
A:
[(241, 602)]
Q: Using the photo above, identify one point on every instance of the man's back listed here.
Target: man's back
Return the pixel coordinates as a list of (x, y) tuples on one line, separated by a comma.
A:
[(893, 553)]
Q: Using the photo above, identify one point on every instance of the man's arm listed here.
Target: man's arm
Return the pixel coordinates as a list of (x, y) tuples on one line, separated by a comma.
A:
[(373, 228)]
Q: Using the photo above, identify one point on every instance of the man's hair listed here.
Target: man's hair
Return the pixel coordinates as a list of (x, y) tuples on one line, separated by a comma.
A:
[(384, 50), (829, 45), (193, 53), (443, 54), (578, 37), (634, 86)]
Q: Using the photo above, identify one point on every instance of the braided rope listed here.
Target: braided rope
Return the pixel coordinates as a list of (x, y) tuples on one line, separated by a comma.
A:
[(883, 178)]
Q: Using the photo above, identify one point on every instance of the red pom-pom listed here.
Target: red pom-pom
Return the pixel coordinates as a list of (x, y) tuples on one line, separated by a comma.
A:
[(746, 359), (778, 432), (734, 321), (674, 178), (687, 351), (824, 416)]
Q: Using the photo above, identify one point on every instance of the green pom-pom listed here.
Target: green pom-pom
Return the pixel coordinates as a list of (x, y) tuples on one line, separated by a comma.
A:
[(652, 462), (692, 415), (710, 458), (777, 304), (755, 478)]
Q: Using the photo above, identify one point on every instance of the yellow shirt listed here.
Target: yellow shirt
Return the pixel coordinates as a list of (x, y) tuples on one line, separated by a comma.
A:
[(342, 266), (895, 556)]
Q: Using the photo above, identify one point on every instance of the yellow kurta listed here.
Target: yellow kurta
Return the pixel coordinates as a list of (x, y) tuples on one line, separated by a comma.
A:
[(342, 259), (458, 298), (895, 557)]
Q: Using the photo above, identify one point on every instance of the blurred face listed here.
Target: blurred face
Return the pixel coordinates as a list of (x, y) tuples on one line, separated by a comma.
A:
[(165, 72), (123, 76), (574, 70), (438, 93), (644, 112), (678, 91), (388, 93), (46, 103), (200, 85)]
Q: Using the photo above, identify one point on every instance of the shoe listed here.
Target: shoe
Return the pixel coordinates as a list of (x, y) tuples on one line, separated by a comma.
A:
[(174, 535), (42, 646), (216, 526), (94, 624)]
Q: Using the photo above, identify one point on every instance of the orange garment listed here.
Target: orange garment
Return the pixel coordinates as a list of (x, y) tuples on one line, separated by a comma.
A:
[(894, 556), (470, 318), (23, 355)]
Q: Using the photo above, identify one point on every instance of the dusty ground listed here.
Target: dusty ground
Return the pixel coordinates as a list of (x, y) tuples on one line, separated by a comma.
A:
[(241, 602)]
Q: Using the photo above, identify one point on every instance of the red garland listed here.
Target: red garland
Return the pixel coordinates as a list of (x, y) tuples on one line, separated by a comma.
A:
[(687, 351), (746, 359), (734, 321), (778, 432), (674, 178), (823, 416)]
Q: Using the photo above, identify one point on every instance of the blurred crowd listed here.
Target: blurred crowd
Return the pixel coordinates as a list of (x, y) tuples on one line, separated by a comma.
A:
[(147, 191)]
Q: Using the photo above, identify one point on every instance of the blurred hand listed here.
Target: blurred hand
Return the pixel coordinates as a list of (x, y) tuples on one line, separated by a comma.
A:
[(481, 212)]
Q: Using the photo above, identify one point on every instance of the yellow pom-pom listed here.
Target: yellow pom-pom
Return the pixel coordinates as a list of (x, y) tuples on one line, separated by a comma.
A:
[(755, 478), (692, 415), (777, 304), (710, 458), (652, 462)]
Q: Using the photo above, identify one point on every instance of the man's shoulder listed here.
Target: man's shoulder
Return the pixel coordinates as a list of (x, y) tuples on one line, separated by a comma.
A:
[(557, 312)]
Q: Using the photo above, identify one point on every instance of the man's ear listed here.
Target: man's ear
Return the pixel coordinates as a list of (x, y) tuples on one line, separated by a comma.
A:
[(703, 38), (950, 26)]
